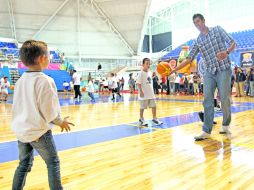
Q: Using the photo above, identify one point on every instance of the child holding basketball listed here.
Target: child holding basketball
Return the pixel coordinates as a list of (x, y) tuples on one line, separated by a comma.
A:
[(146, 93), (36, 110)]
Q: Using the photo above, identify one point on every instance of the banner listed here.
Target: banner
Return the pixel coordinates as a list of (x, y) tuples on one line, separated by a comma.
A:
[(173, 63), (247, 59)]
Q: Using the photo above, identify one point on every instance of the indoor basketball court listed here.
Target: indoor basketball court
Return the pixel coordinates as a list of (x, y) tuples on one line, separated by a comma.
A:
[(111, 147)]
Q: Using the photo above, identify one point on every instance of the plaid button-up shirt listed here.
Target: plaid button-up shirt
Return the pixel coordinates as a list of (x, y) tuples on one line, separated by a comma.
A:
[(211, 44)]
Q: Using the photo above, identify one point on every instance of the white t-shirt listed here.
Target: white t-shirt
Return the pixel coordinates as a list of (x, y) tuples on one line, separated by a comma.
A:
[(105, 83), (146, 81), (117, 79), (65, 84), (35, 106), (76, 78), (177, 79), (4, 86), (90, 87), (172, 78), (190, 78), (113, 83)]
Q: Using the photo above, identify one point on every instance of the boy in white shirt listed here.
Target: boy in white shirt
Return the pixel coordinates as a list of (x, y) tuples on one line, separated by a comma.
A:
[(146, 93), (105, 85), (66, 87), (76, 81), (35, 111), (90, 89), (114, 86), (5, 84)]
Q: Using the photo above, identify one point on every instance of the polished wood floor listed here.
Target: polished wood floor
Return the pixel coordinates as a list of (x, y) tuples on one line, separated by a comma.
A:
[(164, 159)]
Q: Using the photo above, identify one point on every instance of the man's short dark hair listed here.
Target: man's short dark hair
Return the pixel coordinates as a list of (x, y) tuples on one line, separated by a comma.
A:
[(31, 50), (144, 60), (198, 15)]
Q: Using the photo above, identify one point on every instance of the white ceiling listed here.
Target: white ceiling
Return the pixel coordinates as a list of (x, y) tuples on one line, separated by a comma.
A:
[(96, 38)]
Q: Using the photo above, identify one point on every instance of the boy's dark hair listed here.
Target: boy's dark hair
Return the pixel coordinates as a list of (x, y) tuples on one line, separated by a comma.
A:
[(31, 50), (74, 71), (5, 77), (144, 60), (198, 15)]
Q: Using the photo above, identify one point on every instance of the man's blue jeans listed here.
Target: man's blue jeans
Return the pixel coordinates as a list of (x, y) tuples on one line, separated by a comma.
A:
[(222, 81)]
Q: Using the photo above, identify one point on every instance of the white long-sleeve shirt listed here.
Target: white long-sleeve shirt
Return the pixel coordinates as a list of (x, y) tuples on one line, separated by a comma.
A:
[(35, 106)]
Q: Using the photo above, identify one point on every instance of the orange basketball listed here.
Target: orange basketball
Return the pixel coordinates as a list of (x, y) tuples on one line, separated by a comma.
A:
[(163, 68), (12, 87), (83, 89)]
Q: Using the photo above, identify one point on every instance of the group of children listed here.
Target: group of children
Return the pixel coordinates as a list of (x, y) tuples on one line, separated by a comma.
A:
[(36, 93)]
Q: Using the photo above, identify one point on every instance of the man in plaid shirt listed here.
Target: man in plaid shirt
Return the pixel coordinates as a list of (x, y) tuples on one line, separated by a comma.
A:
[(215, 45)]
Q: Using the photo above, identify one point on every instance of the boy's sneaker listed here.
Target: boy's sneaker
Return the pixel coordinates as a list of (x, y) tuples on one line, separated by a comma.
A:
[(202, 136), (141, 122), (156, 122), (225, 130)]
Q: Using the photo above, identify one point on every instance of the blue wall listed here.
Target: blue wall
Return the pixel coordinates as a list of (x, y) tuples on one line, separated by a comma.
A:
[(59, 76)]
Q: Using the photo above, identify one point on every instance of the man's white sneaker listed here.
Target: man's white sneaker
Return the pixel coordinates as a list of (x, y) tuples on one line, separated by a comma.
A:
[(202, 136), (225, 130)]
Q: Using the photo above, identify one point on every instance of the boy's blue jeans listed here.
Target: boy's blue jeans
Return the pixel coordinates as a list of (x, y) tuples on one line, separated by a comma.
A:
[(46, 148)]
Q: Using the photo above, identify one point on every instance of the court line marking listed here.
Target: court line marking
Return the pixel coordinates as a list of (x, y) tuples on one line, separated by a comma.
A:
[(120, 124), (144, 127), (123, 135)]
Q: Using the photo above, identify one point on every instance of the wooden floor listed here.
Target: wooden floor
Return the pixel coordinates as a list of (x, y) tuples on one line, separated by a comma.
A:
[(163, 159)]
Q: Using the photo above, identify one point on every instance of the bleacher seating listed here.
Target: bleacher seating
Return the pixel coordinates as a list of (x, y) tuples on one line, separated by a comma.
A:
[(59, 76), (55, 57), (8, 48), (8, 45), (244, 40)]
